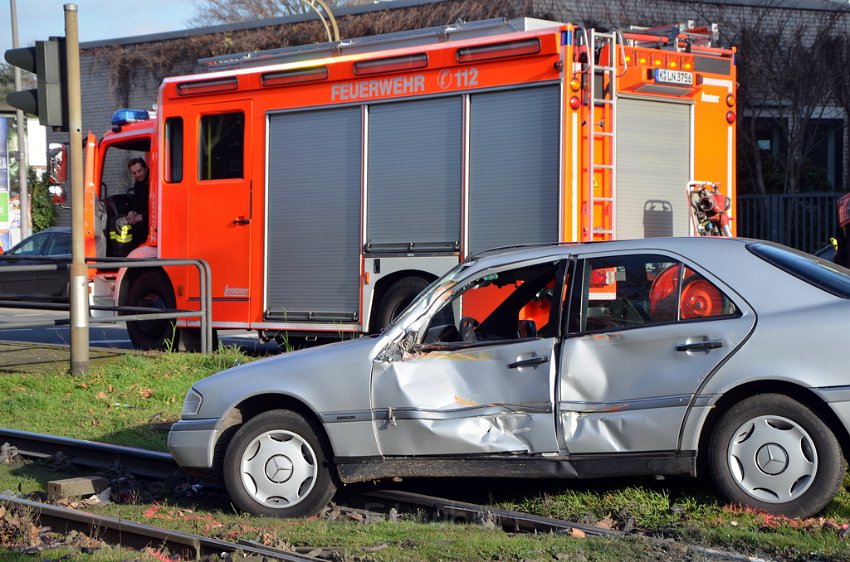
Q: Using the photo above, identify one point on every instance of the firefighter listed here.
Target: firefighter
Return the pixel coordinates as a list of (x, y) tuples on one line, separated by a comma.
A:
[(127, 213), (842, 231), (137, 217)]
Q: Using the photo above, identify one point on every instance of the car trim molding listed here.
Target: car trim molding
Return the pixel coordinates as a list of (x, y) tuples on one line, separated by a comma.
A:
[(341, 417), (432, 414), (202, 424), (834, 393), (362, 469), (586, 407)]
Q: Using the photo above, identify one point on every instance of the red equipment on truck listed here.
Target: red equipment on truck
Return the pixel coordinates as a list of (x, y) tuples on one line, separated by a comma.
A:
[(327, 185)]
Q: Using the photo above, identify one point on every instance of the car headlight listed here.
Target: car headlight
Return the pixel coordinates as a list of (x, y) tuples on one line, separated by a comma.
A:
[(192, 403)]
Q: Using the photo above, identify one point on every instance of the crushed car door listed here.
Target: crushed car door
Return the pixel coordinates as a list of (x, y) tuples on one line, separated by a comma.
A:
[(481, 377), (644, 332)]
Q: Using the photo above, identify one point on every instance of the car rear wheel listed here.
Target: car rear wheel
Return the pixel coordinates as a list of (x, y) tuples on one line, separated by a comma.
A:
[(772, 453), (276, 465)]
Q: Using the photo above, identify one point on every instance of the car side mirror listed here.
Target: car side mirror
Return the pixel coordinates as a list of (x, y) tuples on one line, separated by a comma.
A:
[(408, 341), (526, 328)]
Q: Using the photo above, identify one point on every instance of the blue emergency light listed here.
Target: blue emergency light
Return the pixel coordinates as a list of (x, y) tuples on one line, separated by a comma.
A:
[(124, 116)]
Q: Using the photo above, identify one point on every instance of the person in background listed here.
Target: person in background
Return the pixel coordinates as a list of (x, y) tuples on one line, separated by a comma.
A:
[(137, 217), (841, 241)]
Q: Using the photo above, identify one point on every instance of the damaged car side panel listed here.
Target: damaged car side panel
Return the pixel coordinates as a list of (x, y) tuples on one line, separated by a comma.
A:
[(472, 400), (610, 381), (622, 388)]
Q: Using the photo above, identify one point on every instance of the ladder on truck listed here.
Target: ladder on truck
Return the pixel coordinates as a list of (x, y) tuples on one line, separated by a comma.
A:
[(602, 151)]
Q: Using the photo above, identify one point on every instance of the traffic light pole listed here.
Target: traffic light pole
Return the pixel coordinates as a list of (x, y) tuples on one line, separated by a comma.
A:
[(23, 136), (79, 274)]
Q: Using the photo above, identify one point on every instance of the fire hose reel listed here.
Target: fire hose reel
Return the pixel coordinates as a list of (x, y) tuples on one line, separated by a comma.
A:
[(710, 209)]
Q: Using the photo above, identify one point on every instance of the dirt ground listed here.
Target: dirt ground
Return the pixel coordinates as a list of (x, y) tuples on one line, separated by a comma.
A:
[(28, 357)]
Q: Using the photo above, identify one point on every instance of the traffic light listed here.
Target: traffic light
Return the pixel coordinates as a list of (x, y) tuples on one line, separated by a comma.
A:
[(50, 100)]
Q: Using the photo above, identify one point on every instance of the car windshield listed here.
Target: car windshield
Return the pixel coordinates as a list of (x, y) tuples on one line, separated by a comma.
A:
[(821, 273)]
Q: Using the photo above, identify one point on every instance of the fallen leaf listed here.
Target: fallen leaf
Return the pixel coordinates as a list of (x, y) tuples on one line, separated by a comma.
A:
[(147, 393), (607, 523), (578, 534), (101, 395)]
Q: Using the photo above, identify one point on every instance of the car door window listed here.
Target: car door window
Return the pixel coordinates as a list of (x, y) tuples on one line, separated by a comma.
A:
[(620, 292), (503, 305), (60, 245)]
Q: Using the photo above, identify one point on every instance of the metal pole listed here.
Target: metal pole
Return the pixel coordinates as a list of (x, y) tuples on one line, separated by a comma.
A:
[(79, 272), (26, 222)]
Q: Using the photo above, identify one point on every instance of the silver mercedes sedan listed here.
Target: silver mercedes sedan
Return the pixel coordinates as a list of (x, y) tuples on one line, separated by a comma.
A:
[(681, 356)]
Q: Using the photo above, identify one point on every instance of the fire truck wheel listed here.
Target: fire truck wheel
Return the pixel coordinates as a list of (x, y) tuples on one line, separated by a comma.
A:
[(152, 289), (400, 294), (773, 453), (276, 465)]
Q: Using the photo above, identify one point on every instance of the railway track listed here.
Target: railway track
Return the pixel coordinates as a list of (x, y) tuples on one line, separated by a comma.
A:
[(161, 466), (128, 534)]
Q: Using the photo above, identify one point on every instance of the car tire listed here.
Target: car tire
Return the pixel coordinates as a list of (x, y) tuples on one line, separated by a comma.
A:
[(288, 444), (397, 298), (152, 289), (772, 453)]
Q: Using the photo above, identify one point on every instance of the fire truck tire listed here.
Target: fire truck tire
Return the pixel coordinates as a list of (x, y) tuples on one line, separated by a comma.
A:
[(277, 465), (774, 454), (398, 296), (152, 289)]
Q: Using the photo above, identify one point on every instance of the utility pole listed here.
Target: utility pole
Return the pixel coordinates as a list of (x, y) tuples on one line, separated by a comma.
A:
[(79, 273), (26, 215)]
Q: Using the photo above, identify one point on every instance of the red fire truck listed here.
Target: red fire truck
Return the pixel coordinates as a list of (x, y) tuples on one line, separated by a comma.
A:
[(327, 185)]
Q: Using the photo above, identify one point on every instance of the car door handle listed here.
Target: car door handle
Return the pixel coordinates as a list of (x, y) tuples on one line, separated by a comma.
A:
[(531, 362), (241, 220), (701, 345)]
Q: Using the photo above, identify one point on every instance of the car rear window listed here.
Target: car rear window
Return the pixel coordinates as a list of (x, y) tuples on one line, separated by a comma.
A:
[(823, 274)]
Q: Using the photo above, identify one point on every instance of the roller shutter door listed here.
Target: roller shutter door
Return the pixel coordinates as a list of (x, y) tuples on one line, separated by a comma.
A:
[(653, 168), (513, 177), (313, 215), (414, 175)]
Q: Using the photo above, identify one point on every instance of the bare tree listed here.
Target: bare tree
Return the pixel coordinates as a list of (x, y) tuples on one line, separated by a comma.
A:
[(7, 80), (785, 71), (213, 12), (840, 59)]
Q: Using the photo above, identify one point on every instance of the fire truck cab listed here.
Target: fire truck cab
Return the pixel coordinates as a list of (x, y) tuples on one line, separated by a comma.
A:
[(327, 185)]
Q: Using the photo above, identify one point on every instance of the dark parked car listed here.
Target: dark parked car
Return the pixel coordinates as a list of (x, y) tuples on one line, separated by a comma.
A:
[(827, 252), (669, 356), (36, 285)]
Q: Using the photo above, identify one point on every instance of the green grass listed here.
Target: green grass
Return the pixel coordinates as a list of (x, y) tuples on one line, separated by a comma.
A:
[(125, 401), (131, 399)]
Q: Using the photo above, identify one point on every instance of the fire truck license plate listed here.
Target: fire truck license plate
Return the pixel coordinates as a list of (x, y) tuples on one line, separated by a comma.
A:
[(678, 77)]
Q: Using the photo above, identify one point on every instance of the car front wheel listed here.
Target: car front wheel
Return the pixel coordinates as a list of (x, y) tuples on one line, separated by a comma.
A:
[(275, 465), (773, 453)]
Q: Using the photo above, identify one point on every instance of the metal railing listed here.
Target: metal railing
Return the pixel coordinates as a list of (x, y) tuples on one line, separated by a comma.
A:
[(801, 220), (123, 313)]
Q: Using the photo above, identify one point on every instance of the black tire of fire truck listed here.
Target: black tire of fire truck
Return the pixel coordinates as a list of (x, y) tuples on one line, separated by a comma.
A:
[(152, 289), (398, 296)]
